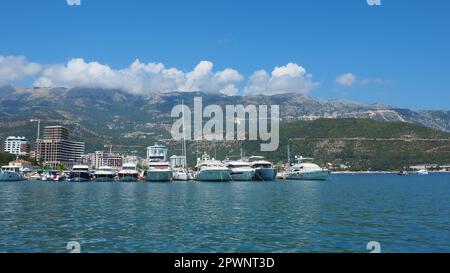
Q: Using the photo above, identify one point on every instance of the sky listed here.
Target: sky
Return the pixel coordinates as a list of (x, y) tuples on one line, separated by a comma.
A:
[(396, 53)]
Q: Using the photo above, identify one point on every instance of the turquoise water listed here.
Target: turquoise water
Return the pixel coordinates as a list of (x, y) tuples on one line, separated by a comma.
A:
[(404, 214)]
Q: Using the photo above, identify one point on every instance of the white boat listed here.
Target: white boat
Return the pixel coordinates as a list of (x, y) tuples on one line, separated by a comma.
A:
[(180, 174), (212, 170), (128, 173), (263, 169), (11, 173), (105, 174), (304, 169), (422, 172), (159, 172), (240, 170)]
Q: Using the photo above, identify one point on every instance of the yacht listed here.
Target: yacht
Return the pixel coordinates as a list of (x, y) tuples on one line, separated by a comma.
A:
[(212, 170), (159, 172), (422, 172), (304, 169), (263, 169), (180, 174), (105, 174), (159, 169), (80, 173), (11, 173), (128, 173), (240, 170), (52, 175)]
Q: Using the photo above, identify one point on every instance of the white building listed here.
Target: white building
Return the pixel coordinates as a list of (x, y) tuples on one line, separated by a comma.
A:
[(17, 145), (177, 161), (156, 153)]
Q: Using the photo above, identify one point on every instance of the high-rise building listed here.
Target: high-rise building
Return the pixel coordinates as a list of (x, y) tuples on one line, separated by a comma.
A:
[(100, 159), (55, 148), (17, 145)]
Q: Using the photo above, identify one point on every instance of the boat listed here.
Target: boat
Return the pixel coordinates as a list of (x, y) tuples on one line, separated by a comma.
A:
[(211, 170), (240, 170), (80, 173), (105, 174), (422, 172), (11, 173), (128, 173), (263, 169), (304, 169), (180, 174), (159, 169), (402, 173), (159, 172), (52, 176)]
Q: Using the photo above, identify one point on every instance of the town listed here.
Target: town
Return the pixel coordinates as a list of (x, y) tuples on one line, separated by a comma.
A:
[(55, 157)]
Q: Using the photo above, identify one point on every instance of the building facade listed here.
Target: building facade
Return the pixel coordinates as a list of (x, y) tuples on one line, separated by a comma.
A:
[(177, 161), (17, 145), (101, 159), (56, 148)]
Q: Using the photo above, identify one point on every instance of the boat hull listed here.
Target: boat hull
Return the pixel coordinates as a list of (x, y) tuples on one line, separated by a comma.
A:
[(214, 176), (159, 176), (180, 176), (128, 178), (80, 177), (11, 177), (242, 176), (264, 174), (105, 178), (314, 175)]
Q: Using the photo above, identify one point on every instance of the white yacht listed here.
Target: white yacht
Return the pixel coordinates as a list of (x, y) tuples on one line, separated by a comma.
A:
[(304, 169), (240, 170), (105, 174), (11, 173), (422, 172), (263, 169), (159, 170), (128, 173), (212, 170), (180, 174)]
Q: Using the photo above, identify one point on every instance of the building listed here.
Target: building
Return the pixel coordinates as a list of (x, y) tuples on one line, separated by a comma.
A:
[(56, 148), (156, 153), (17, 145), (177, 161), (100, 159)]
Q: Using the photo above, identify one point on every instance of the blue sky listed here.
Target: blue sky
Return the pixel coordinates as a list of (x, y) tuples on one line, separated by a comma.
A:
[(397, 53)]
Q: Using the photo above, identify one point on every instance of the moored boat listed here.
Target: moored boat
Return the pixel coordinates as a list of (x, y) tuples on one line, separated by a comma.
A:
[(211, 170), (105, 174), (11, 173), (159, 172), (304, 169), (128, 173), (240, 170), (263, 169), (80, 173)]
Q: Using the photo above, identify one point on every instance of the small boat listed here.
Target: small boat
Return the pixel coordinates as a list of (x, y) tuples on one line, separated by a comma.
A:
[(211, 170), (11, 173), (105, 174), (307, 170), (80, 173), (402, 173), (159, 172), (180, 174), (263, 169), (422, 172), (240, 170), (52, 176), (128, 173)]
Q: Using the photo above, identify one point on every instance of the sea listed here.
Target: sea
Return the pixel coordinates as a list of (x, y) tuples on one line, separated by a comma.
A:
[(348, 213)]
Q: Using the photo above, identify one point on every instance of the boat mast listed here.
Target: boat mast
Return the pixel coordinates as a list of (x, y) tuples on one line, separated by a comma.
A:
[(184, 141)]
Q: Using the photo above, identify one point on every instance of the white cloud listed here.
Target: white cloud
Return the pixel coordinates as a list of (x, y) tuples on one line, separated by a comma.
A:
[(346, 79), (291, 78), (14, 68), (140, 77), (73, 2)]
